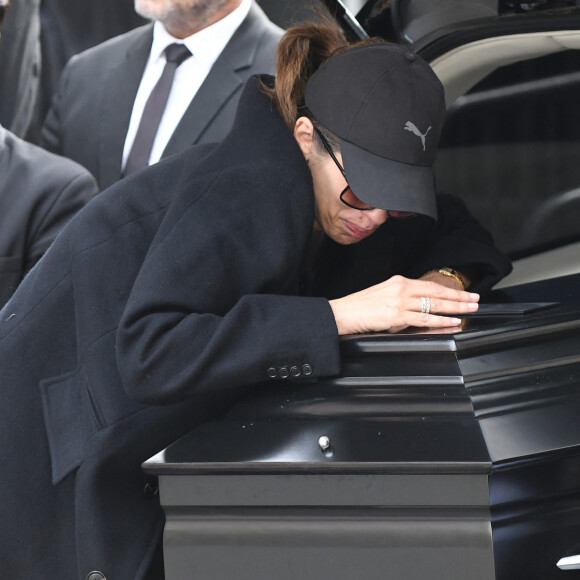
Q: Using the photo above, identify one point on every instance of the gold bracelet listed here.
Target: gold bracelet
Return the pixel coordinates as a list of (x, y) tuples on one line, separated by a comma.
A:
[(453, 273)]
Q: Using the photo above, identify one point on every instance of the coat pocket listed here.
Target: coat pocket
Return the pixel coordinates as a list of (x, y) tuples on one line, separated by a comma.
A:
[(62, 404)]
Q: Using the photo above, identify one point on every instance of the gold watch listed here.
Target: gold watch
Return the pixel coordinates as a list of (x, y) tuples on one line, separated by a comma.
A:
[(453, 273)]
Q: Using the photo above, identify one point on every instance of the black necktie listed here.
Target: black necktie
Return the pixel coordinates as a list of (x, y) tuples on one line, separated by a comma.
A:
[(153, 111)]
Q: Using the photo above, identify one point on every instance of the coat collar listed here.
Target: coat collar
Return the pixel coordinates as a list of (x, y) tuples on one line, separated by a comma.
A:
[(259, 134), (258, 160)]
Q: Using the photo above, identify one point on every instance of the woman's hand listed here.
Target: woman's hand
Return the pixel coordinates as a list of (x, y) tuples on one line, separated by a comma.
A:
[(400, 302)]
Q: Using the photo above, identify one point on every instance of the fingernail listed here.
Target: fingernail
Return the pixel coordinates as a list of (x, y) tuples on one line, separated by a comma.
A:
[(474, 296), (473, 306), (456, 321)]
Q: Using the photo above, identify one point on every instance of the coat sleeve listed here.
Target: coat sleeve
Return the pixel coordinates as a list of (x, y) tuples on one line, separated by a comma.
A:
[(458, 240), (165, 356), (212, 306)]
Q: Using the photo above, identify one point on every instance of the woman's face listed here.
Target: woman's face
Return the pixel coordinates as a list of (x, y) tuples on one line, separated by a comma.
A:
[(344, 224)]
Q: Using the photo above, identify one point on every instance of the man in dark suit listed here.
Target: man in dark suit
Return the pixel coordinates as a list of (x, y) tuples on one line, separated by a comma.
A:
[(103, 91), (39, 193)]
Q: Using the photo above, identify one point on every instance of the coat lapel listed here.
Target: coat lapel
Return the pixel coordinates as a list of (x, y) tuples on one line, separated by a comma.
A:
[(122, 84), (220, 84)]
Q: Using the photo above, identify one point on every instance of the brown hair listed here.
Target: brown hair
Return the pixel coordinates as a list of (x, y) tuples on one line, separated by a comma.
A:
[(301, 51)]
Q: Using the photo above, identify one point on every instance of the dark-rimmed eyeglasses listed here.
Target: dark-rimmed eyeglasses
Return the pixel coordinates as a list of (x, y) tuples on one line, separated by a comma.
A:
[(347, 196)]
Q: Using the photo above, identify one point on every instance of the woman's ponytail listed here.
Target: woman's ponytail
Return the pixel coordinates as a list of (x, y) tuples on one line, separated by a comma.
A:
[(302, 49)]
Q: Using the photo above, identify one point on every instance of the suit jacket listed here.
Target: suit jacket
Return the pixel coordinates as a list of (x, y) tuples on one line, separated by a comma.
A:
[(90, 114), (165, 299), (39, 193)]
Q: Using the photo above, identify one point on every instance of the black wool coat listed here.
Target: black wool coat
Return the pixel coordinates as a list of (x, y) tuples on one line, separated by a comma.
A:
[(164, 300), (196, 260)]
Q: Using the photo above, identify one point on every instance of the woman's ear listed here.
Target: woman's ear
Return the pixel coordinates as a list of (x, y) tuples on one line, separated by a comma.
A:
[(304, 135)]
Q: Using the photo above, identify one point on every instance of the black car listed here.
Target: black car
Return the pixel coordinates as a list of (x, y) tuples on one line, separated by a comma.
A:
[(432, 456)]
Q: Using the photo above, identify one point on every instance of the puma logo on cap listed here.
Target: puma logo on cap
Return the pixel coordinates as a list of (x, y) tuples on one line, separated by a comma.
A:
[(413, 128)]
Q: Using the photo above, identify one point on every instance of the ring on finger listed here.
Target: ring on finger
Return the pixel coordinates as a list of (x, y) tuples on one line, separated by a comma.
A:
[(425, 305)]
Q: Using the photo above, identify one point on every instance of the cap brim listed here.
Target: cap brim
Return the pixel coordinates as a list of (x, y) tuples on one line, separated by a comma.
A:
[(389, 184)]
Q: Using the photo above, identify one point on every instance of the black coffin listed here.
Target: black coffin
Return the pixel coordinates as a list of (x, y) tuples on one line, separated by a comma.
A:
[(432, 456)]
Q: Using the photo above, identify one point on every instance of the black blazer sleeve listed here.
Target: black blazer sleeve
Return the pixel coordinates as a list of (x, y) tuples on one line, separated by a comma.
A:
[(458, 240), (210, 308)]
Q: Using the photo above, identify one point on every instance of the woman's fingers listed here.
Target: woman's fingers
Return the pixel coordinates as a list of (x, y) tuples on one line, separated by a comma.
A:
[(427, 305), (434, 298), (422, 320), (434, 290), (400, 302)]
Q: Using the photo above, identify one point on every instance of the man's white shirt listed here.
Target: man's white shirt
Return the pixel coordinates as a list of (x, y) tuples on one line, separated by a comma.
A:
[(205, 47)]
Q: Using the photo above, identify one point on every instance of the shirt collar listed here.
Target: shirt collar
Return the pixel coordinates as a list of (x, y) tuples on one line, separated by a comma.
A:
[(207, 44)]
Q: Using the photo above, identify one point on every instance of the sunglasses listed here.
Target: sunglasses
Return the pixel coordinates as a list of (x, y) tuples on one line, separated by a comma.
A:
[(347, 196)]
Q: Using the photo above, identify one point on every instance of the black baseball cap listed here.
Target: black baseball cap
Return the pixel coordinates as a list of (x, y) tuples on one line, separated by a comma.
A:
[(386, 106)]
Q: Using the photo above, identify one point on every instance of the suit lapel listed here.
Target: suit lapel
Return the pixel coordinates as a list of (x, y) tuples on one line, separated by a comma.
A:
[(220, 84), (122, 83)]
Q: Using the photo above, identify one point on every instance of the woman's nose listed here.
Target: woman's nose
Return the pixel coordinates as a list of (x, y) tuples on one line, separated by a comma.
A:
[(378, 216)]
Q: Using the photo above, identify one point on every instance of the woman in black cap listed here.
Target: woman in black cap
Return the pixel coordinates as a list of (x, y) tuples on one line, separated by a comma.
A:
[(180, 287)]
